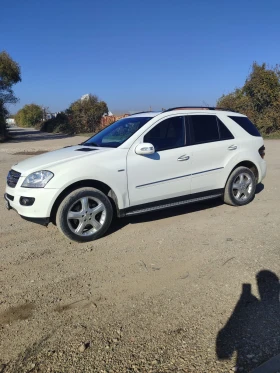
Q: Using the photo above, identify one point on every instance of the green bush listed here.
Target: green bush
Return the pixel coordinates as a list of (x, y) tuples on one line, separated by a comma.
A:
[(85, 115), (29, 115), (59, 124), (259, 98)]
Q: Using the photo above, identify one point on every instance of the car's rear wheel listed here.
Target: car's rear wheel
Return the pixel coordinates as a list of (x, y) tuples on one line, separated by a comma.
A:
[(84, 215), (241, 187)]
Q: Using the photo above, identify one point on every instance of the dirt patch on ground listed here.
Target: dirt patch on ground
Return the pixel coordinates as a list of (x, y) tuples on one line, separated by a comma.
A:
[(22, 312), (36, 152)]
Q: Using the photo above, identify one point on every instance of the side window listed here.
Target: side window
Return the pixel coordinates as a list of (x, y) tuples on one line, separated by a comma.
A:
[(168, 134), (246, 124), (204, 128), (225, 133)]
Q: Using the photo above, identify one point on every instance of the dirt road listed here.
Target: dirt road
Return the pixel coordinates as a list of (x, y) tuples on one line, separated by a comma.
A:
[(152, 295)]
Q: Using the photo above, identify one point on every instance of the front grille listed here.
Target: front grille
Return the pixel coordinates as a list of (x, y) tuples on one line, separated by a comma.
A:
[(12, 178)]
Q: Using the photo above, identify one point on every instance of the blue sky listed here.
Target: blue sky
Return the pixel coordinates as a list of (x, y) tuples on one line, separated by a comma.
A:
[(137, 54)]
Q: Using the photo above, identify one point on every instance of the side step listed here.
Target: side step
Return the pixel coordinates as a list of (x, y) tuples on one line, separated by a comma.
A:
[(173, 204)]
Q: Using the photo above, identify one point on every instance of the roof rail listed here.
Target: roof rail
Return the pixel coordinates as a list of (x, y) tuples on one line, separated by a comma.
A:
[(199, 107), (146, 111)]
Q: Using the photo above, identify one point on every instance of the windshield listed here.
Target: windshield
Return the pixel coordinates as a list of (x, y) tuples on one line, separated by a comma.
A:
[(117, 133)]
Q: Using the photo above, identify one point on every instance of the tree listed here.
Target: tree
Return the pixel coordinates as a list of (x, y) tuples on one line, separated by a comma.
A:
[(29, 115), (85, 114), (259, 98), (58, 124), (9, 75), (3, 128)]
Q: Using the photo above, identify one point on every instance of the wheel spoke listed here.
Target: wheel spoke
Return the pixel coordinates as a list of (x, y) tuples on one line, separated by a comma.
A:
[(84, 202), (80, 228), (248, 182), (96, 224), (99, 208), (236, 186), (246, 193), (238, 195), (74, 215)]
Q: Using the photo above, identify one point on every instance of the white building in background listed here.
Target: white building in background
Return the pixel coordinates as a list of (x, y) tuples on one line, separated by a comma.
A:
[(85, 97), (108, 115), (10, 121)]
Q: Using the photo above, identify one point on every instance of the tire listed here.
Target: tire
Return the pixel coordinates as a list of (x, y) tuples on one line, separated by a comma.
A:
[(241, 187), (84, 215)]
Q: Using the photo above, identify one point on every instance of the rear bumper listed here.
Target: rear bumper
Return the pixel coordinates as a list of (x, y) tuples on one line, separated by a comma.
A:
[(262, 171)]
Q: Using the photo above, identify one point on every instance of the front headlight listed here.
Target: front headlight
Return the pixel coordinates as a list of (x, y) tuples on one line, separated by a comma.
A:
[(38, 179)]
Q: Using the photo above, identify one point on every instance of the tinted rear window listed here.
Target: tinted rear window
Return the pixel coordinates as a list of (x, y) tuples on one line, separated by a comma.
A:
[(246, 124), (205, 128)]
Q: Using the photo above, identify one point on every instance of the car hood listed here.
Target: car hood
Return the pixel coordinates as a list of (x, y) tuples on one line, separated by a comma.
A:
[(47, 160)]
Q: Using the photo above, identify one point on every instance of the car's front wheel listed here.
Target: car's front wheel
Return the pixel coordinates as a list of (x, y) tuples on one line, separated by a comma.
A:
[(84, 215), (241, 187)]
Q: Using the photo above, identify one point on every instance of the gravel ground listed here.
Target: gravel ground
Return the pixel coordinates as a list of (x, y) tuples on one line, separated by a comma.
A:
[(162, 292)]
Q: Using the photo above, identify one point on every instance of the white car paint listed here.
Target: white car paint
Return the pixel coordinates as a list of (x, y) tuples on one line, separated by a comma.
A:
[(157, 176)]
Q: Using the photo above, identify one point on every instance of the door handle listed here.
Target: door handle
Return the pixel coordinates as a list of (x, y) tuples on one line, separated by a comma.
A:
[(183, 158), (232, 147)]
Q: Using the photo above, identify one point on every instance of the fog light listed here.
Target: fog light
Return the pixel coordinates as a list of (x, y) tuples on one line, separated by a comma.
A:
[(26, 201)]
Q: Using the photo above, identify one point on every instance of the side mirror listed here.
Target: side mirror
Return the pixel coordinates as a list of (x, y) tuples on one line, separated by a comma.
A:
[(144, 149)]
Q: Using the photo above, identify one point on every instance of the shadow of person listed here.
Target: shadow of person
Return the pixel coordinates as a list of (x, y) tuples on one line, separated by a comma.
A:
[(253, 329)]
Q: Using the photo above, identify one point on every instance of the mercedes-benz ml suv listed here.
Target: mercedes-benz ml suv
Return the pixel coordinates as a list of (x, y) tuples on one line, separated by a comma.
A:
[(145, 162)]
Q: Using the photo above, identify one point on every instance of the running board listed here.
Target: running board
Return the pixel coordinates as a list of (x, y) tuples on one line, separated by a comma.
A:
[(173, 204)]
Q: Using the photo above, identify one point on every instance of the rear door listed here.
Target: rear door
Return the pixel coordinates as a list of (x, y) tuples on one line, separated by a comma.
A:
[(212, 146)]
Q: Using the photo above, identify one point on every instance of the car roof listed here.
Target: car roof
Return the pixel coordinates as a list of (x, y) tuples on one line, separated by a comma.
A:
[(203, 111), (186, 110)]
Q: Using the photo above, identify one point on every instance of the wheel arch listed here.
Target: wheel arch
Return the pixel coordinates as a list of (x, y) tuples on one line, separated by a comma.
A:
[(249, 164), (106, 189)]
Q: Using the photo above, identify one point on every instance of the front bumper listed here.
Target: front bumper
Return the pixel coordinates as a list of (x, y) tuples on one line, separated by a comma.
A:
[(41, 221), (40, 209)]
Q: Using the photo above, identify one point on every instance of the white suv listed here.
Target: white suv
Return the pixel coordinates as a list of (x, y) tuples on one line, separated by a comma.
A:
[(145, 162)]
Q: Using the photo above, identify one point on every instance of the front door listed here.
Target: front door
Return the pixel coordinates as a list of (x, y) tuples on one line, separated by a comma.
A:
[(164, 174)]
